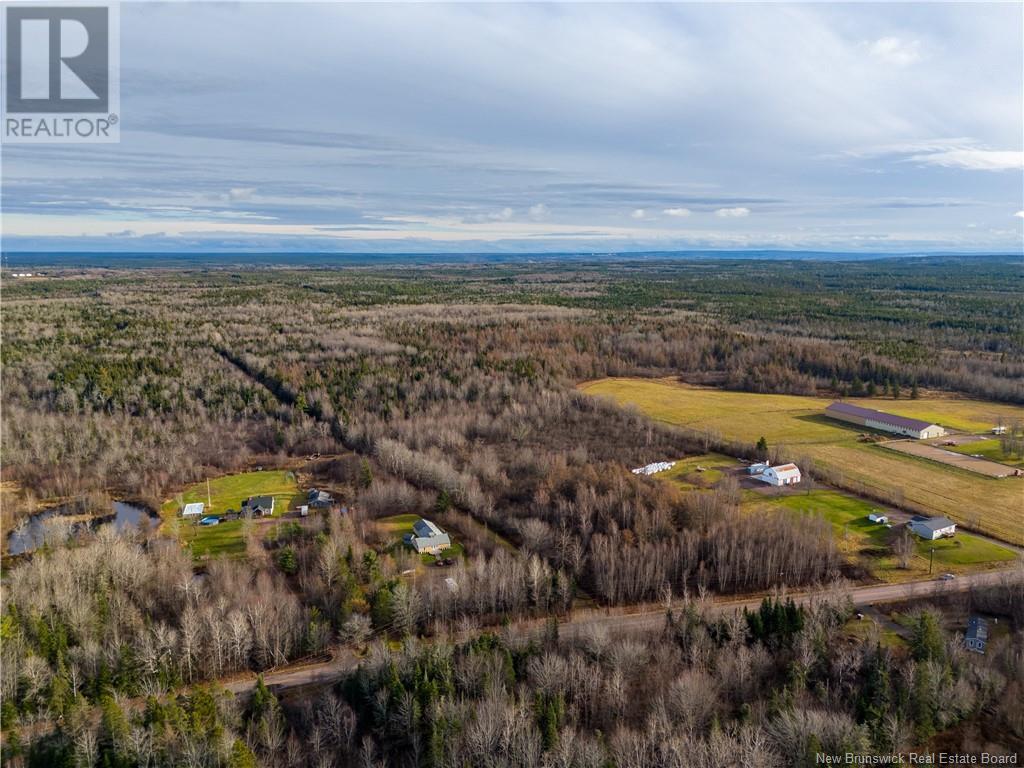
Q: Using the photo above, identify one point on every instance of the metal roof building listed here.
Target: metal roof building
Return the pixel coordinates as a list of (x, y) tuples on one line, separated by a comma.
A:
[(886, 422)]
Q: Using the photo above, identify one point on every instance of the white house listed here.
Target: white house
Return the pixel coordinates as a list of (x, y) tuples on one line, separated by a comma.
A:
[(427, 537), (876, 518), (195, 509), (784, 474), (758, 468), (932, 528)]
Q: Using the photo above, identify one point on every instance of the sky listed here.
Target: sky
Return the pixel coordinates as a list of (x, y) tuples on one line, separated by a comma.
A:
[(512, 127)]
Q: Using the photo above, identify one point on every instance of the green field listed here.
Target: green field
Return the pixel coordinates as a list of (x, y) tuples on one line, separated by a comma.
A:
[(990, 449), (687, 475), (228, 492), (864, 541), (797, 423), (399, 525)]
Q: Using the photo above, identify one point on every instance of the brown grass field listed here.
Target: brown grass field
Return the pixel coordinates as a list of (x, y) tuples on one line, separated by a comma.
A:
[(993, 506)]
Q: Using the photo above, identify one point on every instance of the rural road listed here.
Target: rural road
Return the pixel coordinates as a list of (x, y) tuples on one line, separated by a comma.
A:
[(343, 660)]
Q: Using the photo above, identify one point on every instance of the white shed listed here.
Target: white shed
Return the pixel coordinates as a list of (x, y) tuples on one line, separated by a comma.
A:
[(932, 528), (195, 509), (784, 474)]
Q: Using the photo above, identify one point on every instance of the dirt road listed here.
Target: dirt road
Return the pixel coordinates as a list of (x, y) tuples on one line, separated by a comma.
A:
[(343, 660)]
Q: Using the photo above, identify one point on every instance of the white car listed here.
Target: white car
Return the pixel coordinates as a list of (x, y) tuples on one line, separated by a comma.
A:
[(947, 576)]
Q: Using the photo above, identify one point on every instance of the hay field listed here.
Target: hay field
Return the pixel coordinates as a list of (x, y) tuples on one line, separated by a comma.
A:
[(993, 506)]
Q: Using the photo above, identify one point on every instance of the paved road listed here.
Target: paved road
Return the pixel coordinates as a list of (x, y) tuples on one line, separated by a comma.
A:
[(343, 660)]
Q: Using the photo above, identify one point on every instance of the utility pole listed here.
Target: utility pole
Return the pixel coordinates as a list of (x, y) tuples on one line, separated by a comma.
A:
[(209, 503), (931, 559)]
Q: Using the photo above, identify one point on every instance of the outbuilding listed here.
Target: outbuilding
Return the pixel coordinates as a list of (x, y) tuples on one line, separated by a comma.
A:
[(931, 528), (195, 509), (784, 474), (884, 422)]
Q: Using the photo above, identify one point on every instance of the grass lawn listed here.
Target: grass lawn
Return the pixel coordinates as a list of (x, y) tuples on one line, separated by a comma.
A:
[(686, 475), (226, 493), (863, 541), (990, 449), (862, 629), (988, 504), (399, 525)]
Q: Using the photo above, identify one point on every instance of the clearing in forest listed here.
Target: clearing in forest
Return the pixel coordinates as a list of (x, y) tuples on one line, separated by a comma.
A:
[(228, 492), (868, 543), (399, 525), (990, 505)]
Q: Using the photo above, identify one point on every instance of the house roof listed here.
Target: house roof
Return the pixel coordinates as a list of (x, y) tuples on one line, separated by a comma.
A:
[(425, 529), (195, 508), (934, 523), (881, 416), (977, 629), (260, 501), (786, 468)]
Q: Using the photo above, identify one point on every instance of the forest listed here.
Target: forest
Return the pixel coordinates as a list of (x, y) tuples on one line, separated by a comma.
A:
[(451, 391)]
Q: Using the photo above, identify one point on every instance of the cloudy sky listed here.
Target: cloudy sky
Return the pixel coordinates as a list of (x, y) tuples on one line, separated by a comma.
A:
[(516, 127)]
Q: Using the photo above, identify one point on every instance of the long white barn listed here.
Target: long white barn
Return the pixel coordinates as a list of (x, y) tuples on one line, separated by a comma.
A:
[(884, 422)]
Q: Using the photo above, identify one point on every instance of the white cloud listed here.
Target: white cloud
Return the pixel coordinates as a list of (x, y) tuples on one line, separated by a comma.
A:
[(639, 213), (538, 211), (732, 213), (974, 159), (1019, 214), (680, 213), (505, 214), (893, 50), (964, 153)]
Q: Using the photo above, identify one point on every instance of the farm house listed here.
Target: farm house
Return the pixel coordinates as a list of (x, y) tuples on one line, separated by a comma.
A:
[(884, 422), (784, 474)]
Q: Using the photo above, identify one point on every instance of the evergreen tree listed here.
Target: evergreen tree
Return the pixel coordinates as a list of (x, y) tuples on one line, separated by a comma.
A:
[(926, 638), (762, 447), (241, 756), (365, 474)]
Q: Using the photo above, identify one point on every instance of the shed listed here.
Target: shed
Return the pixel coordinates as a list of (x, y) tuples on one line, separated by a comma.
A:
[(784, 474), (931, 528), (195, 509)]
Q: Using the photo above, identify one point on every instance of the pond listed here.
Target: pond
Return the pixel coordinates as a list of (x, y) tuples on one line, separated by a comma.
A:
[(32, 533)]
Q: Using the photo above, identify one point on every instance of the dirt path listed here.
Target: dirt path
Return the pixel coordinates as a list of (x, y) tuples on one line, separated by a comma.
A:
[(344, 660)]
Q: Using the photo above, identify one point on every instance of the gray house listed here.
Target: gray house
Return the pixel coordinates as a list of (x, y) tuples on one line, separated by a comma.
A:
[(319, 499), (428, 538), (977, 634), (258, 506)]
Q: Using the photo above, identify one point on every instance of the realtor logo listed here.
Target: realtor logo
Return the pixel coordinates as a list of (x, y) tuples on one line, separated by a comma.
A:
[(60, 61)]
